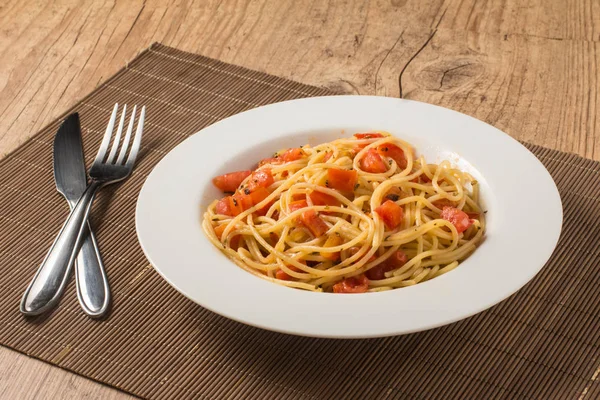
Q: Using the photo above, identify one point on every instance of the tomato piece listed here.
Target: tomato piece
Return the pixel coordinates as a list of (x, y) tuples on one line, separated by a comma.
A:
[(332, 241), (260, 178), (228, 206), (343, 180), (397, 259), (322, 199), (314, 223), (391, 214), (441, 203), (457, 217), (378, 272), (372, 162), (234, 242), (327, 156), (292, 154), (355, 284), (231, 181), (219, 230), (296, 205), (368, 135), (223, 207), (394, 194), (394, 152), (282, 275), (259, 195)]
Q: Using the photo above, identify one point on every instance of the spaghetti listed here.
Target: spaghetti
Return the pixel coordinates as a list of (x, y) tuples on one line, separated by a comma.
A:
[(349, 216)]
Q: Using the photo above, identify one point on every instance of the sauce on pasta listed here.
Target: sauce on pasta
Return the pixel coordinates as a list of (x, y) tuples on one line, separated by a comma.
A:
[(354, 215)]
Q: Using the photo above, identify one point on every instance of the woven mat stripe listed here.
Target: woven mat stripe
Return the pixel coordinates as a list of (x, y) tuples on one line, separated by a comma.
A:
[(541, 343)]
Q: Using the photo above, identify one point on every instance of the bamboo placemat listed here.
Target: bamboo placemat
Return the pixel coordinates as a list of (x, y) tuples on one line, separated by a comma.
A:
[(541, 343)]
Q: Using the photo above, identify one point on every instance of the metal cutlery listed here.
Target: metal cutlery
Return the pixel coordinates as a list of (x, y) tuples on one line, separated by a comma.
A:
[(70, 177), (51, 277)]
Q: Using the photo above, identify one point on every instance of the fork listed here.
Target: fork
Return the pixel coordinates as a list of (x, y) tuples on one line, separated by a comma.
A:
[(104, 171)]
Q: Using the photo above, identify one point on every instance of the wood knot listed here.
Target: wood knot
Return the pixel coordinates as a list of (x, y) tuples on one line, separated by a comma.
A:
[(449, 75)]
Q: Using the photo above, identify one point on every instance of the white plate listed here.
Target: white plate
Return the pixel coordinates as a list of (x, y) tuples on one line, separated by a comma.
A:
[(523, 222)]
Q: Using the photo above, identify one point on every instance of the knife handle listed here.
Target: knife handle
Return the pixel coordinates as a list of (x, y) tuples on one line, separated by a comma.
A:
[(92, 284), (51, 278)]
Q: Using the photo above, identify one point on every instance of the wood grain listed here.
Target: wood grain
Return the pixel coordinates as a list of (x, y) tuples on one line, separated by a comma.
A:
[(528, 67)]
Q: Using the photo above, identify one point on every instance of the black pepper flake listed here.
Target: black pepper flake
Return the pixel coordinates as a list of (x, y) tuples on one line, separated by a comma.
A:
[(392, 197), (229, 193), (390, 162), (246, 191), (356, 186), (384, 149), (234, 201), (485, 212), (327, 183)]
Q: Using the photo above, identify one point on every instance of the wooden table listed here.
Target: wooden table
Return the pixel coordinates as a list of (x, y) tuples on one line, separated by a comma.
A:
[(528, 67)]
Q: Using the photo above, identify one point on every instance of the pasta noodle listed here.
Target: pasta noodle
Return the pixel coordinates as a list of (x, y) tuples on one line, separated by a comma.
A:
[(353, 215)]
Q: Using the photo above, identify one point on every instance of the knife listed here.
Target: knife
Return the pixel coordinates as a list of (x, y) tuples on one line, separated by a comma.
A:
[(48, 285)]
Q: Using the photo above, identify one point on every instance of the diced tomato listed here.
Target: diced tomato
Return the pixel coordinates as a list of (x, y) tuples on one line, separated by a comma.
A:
[(372, 162), (292, 154), (441, 203), (394, 152), (393, 194), (219, 230), (332, 241), (260, 178), (397, 259), (378, 272), (259, 195), (228, 206), (314, 223), (343, 180), (327, 156), (355, 284), (234, 241), (457, 217), (239, 202), (322, 199), (369, 135), (296, 205), (230, 182), (281, 274), (391, 214)]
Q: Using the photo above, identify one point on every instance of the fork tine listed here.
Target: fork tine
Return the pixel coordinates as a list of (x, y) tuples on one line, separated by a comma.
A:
[(137, 140), (107, 135), (127, 137), (117, 140)]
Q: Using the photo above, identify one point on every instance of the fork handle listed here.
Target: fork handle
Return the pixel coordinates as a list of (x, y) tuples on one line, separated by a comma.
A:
[(49, 282), (92, 284)]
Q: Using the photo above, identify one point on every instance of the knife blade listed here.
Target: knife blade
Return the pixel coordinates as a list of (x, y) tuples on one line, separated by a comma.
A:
[(48, 284), (69, 165)]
